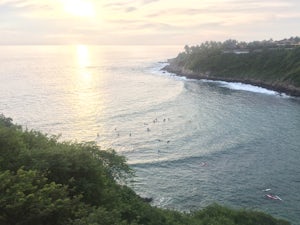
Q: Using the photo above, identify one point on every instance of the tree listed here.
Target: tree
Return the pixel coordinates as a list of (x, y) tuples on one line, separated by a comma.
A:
[(187, 49), (27, 198)]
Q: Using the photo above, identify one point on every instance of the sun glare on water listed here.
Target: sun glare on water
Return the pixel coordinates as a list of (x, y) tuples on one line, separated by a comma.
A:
[(83, 56), (83, 61), (81, 8)]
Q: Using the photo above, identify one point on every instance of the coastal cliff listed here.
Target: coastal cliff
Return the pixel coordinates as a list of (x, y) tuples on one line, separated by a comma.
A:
[(272, 67)]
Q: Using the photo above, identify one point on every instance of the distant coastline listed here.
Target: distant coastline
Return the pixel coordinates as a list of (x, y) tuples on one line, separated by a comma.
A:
[(274, 65)]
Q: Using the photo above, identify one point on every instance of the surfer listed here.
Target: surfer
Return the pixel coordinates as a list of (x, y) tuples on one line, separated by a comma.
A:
[(274, 197), (268, 189)]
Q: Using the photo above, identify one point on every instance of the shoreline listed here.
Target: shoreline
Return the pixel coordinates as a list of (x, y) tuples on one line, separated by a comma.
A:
[(179, 71)]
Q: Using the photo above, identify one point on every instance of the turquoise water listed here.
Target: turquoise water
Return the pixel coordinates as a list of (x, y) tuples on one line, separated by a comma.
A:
[(191, 142)]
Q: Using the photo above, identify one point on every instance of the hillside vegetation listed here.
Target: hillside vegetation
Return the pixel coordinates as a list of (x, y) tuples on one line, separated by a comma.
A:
[(47, 182), (270, 64)]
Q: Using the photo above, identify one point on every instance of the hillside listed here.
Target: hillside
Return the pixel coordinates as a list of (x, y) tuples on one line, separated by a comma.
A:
[(47, 182), (269, 64)]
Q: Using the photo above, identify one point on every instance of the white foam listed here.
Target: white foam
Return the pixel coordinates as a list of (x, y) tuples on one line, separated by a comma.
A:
[(157, 69), (230, 85), (245, 87), (153, 160)]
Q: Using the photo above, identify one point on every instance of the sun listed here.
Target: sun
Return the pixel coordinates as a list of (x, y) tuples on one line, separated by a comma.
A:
[(81, 8)]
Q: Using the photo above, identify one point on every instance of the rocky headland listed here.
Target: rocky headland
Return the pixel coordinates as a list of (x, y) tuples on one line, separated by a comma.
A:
[(275, 68)]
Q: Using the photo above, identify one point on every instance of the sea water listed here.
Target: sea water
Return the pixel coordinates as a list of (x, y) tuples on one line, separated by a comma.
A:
[(191, 142)]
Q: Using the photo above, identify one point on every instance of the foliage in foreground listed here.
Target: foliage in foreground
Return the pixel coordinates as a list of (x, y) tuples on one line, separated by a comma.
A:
[(43, 181)]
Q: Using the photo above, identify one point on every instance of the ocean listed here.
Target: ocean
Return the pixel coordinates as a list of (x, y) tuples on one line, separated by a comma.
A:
[(191, 142)]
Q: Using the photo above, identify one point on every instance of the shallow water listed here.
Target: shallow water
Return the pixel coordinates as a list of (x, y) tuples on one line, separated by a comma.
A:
[(191, 142)]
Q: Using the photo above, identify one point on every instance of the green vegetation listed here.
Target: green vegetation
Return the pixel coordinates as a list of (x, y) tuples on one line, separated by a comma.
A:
[(274, 64), (43, 181)]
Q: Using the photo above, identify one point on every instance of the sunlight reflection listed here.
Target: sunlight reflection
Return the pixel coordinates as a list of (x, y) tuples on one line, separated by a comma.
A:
[(83, 56), (86, 99), (84, 61)]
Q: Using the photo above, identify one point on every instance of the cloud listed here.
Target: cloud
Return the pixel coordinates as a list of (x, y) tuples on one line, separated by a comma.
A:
[(155, 19), (26, 5), (149, 1), (16, 9), (130, 9), (129, 5), (227, 13), (116, 4)]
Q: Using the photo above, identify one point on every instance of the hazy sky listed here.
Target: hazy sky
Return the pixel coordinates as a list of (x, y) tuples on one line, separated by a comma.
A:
[(146, 21)]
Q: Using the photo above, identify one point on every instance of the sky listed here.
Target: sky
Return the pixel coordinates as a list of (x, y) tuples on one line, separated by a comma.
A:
[(146, 22)]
